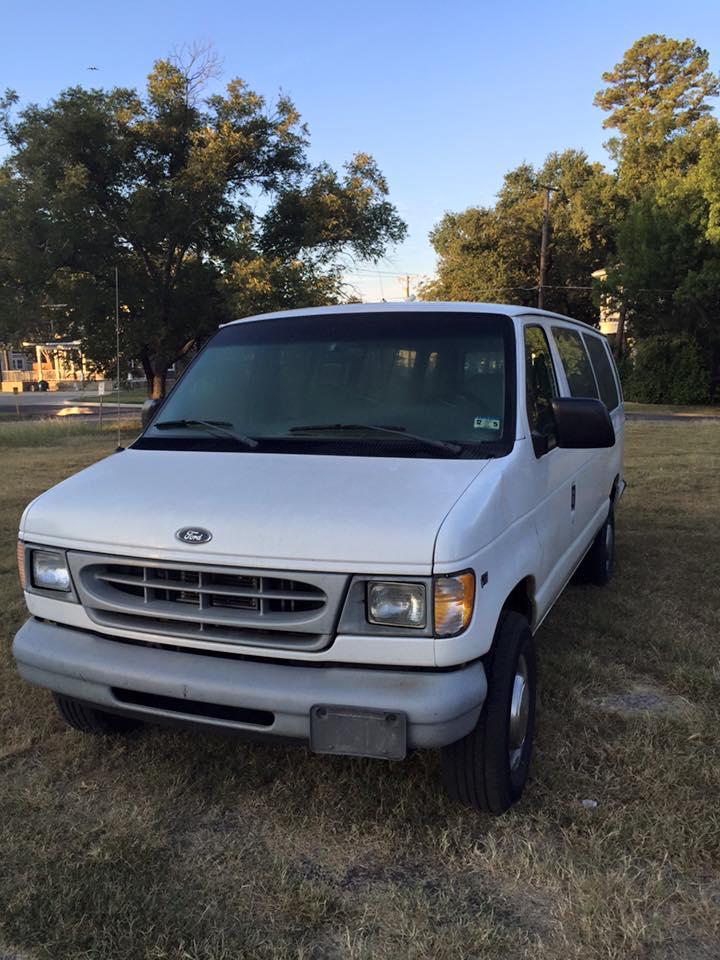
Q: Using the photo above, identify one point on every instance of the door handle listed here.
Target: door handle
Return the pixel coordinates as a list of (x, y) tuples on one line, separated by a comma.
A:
[(572, 497)]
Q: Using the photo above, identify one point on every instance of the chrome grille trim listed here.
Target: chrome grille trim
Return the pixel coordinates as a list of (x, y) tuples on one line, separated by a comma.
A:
[(221, 604)]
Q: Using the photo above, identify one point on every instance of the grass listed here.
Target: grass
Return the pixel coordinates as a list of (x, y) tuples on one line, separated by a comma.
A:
[(681, 410), (177, 846), (126, 396), (54, 434)]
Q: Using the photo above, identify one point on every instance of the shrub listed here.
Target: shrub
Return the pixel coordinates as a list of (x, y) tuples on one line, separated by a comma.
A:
[(667, 369)]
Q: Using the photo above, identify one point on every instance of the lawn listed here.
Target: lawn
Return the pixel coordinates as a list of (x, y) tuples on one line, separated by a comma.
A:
[(137, 395), (177, 845)]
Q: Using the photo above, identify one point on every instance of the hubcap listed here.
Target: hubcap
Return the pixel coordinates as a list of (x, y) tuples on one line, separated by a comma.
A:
[(519, 713)]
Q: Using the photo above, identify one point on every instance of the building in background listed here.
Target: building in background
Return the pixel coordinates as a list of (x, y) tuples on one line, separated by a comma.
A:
[(51, 365), (609, 307)]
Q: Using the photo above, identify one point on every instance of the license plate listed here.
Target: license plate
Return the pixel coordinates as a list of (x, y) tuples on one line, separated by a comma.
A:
[(356, 732)]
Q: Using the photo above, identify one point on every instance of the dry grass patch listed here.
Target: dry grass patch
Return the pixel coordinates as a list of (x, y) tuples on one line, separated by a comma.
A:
[(172, 845)]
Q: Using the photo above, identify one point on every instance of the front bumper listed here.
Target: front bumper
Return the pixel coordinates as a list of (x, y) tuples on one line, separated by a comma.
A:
[(440, 706)]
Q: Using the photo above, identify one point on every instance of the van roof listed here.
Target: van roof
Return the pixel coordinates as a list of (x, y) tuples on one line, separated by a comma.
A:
[(455, 306)]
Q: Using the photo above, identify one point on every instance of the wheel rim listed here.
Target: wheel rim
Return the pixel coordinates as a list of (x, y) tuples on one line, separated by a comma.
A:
[(519, 713)]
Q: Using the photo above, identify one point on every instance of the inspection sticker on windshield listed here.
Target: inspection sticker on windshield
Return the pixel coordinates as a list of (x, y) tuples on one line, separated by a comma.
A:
[(487, 423)]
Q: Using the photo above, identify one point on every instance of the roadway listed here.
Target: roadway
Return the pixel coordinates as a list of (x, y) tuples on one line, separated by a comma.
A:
[(38, 406)]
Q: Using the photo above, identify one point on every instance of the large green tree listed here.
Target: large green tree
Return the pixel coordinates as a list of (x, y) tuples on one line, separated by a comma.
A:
[(666, 267), (492, 253), (207, 205), (657, 99)]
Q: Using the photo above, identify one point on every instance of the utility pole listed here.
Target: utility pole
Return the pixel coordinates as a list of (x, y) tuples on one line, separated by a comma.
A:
[(117, 348), (407, 286), (544, 237), (619, 338)]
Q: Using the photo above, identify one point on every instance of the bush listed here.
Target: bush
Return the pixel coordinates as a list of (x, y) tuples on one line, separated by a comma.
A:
[(667, 369)]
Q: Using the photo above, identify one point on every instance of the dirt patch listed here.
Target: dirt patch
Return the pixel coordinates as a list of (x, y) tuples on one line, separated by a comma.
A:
[(642, 698)]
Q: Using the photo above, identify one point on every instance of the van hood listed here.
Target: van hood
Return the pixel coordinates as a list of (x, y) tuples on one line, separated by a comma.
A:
[(356, 514)]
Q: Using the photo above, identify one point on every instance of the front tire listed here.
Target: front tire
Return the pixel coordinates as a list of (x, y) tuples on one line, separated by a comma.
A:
[(488, 768), (87, 719)]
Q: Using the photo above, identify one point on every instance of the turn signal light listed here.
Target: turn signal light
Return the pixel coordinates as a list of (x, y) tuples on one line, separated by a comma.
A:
[(454, 600), (21, 563)]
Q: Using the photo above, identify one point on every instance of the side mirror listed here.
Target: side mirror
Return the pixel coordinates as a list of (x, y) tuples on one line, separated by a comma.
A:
[(582, 423), (148, 411)]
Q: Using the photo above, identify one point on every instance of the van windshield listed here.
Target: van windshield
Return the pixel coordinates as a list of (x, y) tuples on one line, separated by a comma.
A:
[(350, 383)]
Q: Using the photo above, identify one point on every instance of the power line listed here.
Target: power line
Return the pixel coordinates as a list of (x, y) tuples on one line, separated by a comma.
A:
[(400, 274)]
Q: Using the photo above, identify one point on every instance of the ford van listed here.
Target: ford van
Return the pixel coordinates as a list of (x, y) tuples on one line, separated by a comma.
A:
[(344, 526)]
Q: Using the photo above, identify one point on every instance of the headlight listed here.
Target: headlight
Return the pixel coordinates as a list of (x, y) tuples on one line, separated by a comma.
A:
[(396, 604), (454, 599), (50, 571)]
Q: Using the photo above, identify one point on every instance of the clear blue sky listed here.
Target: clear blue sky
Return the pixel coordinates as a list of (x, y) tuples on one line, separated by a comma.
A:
[(447, 96)]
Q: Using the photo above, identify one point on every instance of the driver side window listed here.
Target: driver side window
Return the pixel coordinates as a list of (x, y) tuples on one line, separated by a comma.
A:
[(540, 389)]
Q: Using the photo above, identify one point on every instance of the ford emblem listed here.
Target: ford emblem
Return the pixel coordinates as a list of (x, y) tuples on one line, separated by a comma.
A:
[(193, 535)]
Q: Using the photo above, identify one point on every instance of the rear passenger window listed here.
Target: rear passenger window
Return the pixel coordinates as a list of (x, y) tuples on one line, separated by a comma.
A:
[(576, 363), (603, 371), (540, 388)]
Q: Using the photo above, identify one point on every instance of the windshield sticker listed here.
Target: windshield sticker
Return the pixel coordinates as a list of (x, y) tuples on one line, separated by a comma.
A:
[(487, 423)]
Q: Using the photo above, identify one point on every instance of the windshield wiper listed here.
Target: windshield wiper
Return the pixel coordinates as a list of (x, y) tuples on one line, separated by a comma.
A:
[(445, 445), (220, 428)]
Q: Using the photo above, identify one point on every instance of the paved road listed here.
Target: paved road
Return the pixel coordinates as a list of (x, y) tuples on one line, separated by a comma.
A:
[(673, 417), (35, 406)]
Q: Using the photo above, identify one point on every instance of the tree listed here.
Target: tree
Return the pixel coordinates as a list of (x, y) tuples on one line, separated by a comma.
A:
[(666, 268), (657, 100), (492, 253), (21, 278), (165, 185)]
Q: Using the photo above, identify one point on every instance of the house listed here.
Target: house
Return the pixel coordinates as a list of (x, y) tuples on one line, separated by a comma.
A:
[(51, 365), (609, 308)]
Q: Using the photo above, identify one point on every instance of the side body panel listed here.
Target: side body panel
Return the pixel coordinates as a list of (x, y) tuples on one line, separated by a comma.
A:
[(520, 520)]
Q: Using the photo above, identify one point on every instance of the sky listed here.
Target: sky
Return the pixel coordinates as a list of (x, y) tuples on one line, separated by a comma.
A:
[(446, 96)]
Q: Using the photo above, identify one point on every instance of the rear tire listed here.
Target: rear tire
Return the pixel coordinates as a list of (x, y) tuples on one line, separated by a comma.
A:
[(488, 768), (88, 719), (599, 563)]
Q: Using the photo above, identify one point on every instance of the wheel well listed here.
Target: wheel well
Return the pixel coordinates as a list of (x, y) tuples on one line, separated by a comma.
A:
[(520, 599)]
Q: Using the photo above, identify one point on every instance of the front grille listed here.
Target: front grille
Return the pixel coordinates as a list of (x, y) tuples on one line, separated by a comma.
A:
[(209, 591), (210, 604)]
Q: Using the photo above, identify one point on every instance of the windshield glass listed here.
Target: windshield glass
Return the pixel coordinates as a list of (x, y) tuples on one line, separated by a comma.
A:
[(334, 379)]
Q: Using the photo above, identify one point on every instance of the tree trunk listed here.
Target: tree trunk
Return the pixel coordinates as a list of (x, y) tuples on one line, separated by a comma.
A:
[(155, 375), (147, 370), (157, 384)]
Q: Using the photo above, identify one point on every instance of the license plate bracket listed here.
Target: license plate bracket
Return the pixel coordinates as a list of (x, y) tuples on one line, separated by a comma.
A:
[(358, 732)]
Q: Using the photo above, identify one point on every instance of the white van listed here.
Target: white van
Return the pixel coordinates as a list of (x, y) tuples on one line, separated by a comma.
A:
[(343, 526)]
